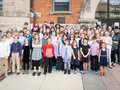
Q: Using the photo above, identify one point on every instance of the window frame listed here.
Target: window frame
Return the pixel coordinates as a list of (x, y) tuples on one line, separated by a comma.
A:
[(1, 6), (61, 12)]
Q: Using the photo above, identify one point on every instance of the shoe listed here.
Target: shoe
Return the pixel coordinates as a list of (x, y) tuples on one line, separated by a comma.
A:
[(44, 73), (114, 64), (49, 71), (101, 74), (18, 73), (27, 71), (34, 73), (96, 72), (39, 73), (92, 72), (6, 75), (68, 71), (104, 74), (24, 72), (65, 71), (110, 67), (75, 72), (82, 72)]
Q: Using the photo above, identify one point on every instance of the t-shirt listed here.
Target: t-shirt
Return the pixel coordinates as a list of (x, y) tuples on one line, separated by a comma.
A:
[(85, 49)]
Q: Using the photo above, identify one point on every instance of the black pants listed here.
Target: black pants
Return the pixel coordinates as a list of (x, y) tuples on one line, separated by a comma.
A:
[(80, 65), (113, 55), (119, 55), (48, 64), (25, 64), (94, 62), (36, 64), (59, 63)]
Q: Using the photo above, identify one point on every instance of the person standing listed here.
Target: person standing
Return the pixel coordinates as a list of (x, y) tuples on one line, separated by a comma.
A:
[(15, 54), (58, 53), (4, 54), (103, 57), (66, 55), (26, 56), (85, 51), (36, 54), (48, 52), (94, 50)]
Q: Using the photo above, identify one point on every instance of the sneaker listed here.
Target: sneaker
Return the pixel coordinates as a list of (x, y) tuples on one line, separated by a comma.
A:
[(82, 72), (23, 71), (18, 73), (92, 72), (39, 73), (34, 73), (75, 72), (27, 71), (6, 75), (110, 67), (96, 72)]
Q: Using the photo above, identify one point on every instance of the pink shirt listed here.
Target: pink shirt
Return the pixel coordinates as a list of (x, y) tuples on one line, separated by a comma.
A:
[(94, 47)]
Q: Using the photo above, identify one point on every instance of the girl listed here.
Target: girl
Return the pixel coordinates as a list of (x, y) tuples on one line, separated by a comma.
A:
[(26, 54), (66, 54), (85, 51), (103, 56), (75, 55), (36, 54)]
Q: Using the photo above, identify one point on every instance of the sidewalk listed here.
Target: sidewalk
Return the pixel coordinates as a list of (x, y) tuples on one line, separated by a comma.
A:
[(54, 81)]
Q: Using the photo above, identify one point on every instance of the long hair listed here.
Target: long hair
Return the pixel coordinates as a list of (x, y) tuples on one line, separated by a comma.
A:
[(35, 38)]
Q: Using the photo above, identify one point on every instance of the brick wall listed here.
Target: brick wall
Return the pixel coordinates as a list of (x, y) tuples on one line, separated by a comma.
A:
[(45, 7)]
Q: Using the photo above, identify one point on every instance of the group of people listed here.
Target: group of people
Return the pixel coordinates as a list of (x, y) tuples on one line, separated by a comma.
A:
[(64, 47)]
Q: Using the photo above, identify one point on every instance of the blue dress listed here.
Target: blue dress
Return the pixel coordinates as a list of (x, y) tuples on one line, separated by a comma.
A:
[(103, 58)]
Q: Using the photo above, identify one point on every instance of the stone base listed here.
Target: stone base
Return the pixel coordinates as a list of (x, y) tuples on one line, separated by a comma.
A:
[(10, 22), (88, 22)]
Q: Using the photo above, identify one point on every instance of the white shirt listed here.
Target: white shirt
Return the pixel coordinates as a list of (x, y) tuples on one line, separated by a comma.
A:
[(4, 49), (41, 36), (10, 40)]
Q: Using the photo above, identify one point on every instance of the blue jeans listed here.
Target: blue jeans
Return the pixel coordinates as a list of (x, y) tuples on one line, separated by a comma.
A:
[(109, 57)]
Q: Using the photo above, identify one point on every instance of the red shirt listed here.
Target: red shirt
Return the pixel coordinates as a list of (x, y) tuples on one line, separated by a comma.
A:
[(48, 50)]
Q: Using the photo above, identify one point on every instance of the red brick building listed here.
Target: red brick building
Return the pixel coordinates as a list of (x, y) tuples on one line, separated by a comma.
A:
[(58, 11)]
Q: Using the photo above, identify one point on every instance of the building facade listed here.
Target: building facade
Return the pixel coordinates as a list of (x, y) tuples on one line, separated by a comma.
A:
[(13, 13)]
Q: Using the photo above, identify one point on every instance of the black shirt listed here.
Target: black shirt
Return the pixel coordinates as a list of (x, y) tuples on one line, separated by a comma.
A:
[(85, 49)]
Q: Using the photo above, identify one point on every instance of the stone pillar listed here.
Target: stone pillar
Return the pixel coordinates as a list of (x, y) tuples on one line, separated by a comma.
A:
[(87, 15)]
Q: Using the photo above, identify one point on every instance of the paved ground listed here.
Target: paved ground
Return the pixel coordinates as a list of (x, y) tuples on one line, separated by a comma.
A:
[(59, 81)]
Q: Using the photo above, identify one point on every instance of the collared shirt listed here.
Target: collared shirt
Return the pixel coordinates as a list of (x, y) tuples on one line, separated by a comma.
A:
[(4, 49), (21, 40), (94, 47), (16, 48), (58, 48)]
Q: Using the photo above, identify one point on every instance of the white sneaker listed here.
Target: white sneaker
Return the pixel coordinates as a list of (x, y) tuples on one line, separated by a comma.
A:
[(6, 74)]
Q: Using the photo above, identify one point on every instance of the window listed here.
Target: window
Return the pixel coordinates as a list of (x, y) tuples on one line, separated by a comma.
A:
[(1, 5), (61, 20), (61, 5)]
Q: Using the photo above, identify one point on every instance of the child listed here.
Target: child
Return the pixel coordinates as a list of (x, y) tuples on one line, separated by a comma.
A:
[(85, 51), (75, 55), (94, 48), (36, 54), (26, 54), (103, 56), (4, 54), (66, 54), (15, 54), (58, 53), (48, 55)]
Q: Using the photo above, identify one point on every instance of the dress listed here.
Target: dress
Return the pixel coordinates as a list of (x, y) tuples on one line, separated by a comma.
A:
[(37, 52), (103, 58), (75, 51), (85, 49), (26, 53)]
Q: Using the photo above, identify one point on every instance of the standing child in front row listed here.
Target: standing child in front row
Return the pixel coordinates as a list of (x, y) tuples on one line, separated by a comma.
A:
[(67, 53), (37, 54), (103, 56), (75, 55), (85, 51), (26, 55)]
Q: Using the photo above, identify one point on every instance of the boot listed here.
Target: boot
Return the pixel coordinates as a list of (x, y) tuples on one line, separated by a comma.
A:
[(65, 71), (68, 71)]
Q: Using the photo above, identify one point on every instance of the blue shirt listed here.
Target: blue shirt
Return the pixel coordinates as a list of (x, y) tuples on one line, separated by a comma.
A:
[(16, 48)]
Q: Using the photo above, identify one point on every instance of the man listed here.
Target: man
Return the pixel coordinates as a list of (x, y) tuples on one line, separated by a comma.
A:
[(4, 54)]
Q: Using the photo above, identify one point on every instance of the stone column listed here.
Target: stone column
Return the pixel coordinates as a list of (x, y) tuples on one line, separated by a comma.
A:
[(87, 15)]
